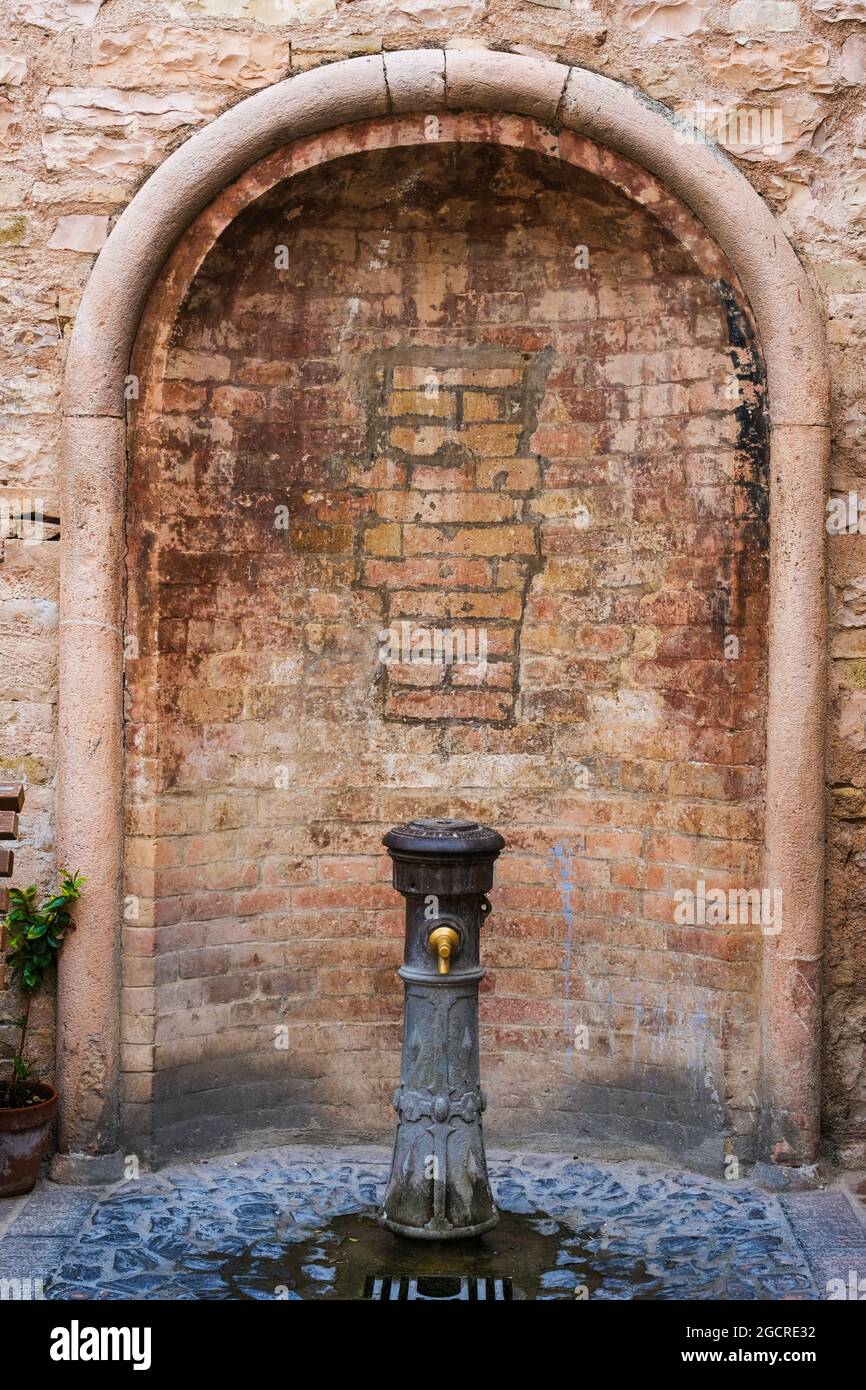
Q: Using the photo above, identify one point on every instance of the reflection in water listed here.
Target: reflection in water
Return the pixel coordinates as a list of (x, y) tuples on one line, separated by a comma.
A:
[(542, 1257)]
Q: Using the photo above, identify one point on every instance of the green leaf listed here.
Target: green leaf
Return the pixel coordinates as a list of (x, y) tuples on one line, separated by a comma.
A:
[(34, 935)]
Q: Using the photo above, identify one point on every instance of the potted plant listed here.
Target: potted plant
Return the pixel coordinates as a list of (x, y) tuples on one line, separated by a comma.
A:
[(34, 936)]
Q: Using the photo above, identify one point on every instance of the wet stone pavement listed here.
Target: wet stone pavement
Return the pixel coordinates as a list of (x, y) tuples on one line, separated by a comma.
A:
[(298, 1224)]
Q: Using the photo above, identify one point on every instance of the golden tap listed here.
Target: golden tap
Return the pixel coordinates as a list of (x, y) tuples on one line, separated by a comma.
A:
[(443, 942)]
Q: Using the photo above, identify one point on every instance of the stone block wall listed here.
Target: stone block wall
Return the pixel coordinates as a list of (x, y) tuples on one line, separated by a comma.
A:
[(93, 96)]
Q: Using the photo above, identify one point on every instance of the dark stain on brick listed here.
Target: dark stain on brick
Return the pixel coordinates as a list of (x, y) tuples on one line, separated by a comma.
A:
[(752, 409)]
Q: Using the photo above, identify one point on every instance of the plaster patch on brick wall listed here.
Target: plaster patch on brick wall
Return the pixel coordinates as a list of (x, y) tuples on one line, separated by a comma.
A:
[(160, 55), (854, 194), (13, 65), (850, 607), (80, 233), (107, 107), (669, 19), (852, 59), (28, 458), (435, 14), (56, 15), (775, 129), (258, 11), (764, 16), (9, 126), (852, 720), (28, 394), (767, 68), (98, 154), (837, 11)]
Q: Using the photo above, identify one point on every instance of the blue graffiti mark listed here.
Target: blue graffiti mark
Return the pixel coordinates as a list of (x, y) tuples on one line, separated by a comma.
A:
[(562, 859), (636, 1022), (702, 1083)]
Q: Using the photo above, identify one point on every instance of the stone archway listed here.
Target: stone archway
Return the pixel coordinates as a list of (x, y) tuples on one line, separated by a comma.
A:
[(789, 329)]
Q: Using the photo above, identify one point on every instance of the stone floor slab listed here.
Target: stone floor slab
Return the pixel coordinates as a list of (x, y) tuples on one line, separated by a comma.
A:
[(825, 1221), (833, 1238), (60, 1210), (31, 1257)]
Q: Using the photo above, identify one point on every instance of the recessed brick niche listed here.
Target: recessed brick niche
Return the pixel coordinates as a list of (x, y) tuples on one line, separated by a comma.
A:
[(450, 385)]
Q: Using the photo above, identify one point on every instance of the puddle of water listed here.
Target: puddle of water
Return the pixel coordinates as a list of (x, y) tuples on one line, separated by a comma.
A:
[(541, 1256)]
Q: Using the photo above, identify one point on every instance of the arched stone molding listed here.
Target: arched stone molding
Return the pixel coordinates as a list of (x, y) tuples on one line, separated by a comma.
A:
[(93, 474)]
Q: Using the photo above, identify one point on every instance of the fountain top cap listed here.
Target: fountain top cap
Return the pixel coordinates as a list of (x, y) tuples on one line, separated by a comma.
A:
[(439, 835)]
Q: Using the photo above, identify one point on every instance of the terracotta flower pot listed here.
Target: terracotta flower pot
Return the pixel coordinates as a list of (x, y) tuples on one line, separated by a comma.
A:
[(23, 1141)]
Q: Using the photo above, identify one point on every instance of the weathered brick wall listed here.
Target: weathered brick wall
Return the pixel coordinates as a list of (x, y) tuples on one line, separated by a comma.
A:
[(92, 97), (398, 399)]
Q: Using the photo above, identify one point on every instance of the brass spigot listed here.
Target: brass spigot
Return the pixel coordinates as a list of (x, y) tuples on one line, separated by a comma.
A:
[(443, 942)]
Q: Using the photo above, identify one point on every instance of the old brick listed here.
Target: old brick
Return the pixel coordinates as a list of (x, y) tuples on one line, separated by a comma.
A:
[(565, 504), (478, 540)]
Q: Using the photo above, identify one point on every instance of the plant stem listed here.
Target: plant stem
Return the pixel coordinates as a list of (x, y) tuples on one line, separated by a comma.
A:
[(29, 997)]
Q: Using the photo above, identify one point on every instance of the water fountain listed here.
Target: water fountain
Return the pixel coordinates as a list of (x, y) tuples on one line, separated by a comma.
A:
[(439, 1188)]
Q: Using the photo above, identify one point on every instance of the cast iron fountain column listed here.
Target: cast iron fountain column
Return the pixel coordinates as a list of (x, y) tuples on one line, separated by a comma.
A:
[(439, 1188)]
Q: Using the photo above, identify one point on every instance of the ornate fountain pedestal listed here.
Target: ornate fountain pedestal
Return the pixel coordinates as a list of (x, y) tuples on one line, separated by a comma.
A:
[(439, 1188)]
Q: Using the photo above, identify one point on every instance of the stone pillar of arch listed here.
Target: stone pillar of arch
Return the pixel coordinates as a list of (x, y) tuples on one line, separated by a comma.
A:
[(90, 775)]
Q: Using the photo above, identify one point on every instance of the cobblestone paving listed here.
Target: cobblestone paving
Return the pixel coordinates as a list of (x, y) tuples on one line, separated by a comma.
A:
[(221, 1229)]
